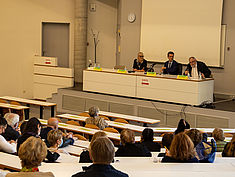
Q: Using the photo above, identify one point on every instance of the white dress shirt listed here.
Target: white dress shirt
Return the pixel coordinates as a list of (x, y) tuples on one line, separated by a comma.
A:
[(194, 72)]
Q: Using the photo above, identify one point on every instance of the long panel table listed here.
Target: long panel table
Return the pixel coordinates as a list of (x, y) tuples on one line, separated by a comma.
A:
[(114, 124), (160, 87), (28, 102)]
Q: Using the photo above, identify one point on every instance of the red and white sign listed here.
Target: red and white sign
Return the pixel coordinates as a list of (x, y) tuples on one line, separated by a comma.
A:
[(48, 61), (145, 82)]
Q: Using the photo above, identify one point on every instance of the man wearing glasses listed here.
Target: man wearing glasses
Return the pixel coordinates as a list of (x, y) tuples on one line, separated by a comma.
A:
[(140, 64), (171, 66), (195, 68)]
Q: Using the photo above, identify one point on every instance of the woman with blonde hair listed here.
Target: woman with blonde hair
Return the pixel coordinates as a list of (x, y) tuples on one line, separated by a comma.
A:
[(229, 149), (31, 153), (84, 156), (128, 147), (181, 150)]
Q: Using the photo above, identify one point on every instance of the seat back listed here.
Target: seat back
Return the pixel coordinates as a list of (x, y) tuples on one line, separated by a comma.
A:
[(3, 101), (72, 122), (109, 129), (121, 120), (91, 126), (80, 137), (85, 114), (105, 118)]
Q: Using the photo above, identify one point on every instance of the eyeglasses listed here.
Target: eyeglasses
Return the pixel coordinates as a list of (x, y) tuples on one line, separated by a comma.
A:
[(141, 56)]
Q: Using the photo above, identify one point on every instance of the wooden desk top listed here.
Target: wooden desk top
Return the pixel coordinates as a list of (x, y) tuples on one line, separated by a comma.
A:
[(12, 106), (128, 117), (27, 101), (114, 124)]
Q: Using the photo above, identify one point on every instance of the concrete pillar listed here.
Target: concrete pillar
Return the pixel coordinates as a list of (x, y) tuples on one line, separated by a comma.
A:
[(80, 38)]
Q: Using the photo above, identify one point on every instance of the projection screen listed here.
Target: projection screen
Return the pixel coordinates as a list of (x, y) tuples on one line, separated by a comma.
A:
[(186, 27)]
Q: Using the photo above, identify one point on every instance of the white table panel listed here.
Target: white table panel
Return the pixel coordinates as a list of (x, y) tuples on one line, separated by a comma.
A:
[(110, 83)]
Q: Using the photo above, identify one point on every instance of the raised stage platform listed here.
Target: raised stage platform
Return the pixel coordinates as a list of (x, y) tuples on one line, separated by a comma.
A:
[(74, 100)]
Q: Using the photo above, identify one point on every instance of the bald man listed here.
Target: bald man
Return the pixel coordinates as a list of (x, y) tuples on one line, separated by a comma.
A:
[(52, 124)]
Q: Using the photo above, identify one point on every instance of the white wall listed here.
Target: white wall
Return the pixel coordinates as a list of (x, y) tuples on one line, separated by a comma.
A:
[(20, 35), (103, 20)]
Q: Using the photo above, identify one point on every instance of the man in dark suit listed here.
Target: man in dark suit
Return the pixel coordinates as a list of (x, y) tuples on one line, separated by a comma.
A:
[(194, 68), (171, 66), (102, 153)]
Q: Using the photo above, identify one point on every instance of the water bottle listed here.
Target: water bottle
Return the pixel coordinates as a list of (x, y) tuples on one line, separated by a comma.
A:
[(200, 75), (188, 76)]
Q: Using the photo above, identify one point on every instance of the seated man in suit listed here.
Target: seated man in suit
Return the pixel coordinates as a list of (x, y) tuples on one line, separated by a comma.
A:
[(171, 66), (194, 68), (140, 64)]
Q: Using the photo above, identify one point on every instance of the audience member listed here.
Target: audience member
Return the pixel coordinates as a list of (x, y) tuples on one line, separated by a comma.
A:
[(52, 124), (33, 128), (95, 119), (218, 135), (54, 140), (84, 156), (147, 140), (182, 126), (166, 143), (102, 154), (4, 145), (22, 127), (11, 132), (229, 149), (181, 150), (128, 147), (31, 153), (205, 151)]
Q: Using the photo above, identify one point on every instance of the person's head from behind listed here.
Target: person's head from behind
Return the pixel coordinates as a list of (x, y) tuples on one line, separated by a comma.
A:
[(98, 135), (12, 119), (182, 126), (127, 137), (167, 139), (32, 152), (53, 123), (218, 134), (170, 56), (182, 147), (33, 126), (231, 148), (147, 135), (140, 57), (23, 127), (55, 138), (102, 151), (192, 61), (94, 111), (3, 125), (195, 135)]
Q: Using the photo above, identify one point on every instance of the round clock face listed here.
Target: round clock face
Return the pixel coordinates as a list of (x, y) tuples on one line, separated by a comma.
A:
[(131, 17)]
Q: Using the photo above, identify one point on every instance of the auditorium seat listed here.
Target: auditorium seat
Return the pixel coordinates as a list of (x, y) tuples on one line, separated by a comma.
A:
[(121, 121)]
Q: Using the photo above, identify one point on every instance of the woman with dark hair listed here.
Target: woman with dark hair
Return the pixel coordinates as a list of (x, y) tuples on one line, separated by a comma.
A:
[(166, 143), (182, 126), (33, 128), (181, 150), (147, 140)]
